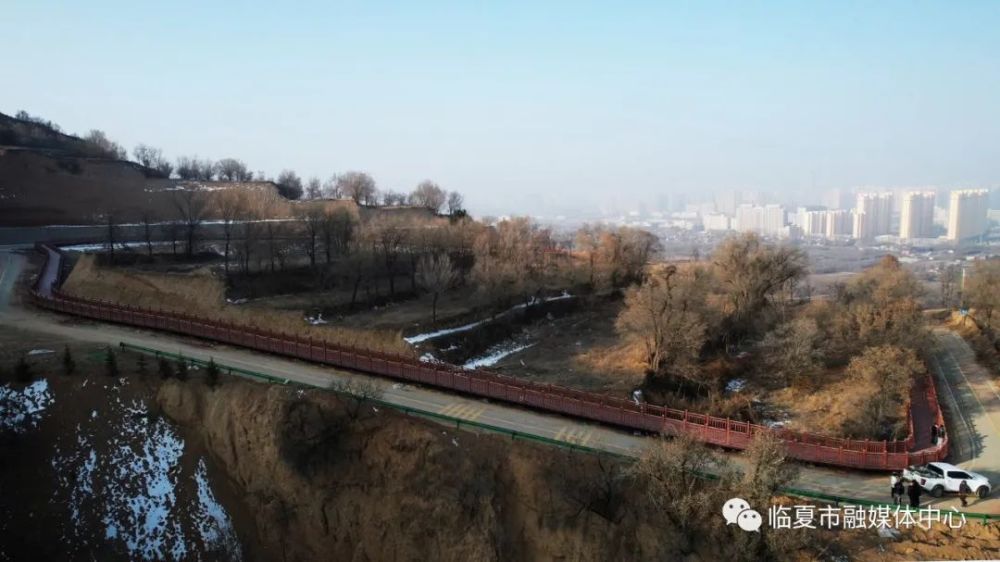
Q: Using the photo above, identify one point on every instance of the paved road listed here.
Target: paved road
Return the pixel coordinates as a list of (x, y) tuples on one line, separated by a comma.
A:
[(818, 479), (971, 403)]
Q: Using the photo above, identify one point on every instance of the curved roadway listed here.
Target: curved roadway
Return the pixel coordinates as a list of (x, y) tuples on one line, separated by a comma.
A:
[(969, 397)]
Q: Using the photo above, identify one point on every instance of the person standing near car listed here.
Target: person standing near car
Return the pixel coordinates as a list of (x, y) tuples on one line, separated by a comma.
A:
[(897, 490), (964, 491), (914, 493)]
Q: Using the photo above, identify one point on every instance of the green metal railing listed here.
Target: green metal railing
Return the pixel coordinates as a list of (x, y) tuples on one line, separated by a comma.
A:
[(512, 433)]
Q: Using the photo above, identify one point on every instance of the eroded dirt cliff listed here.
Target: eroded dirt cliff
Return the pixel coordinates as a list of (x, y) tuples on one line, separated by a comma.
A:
[(382, 486)]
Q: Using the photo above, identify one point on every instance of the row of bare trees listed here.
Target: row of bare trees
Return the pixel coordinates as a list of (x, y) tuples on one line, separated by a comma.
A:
[(679, 310)]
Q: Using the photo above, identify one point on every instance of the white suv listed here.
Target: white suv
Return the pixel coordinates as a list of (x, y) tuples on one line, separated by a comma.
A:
[(940, 477)]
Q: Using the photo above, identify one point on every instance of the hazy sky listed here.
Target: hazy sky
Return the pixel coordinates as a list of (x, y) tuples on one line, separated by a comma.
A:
[(569, 104)]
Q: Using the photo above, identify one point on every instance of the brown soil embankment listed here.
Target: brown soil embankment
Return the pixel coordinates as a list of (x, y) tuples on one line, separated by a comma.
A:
[(202, 293)]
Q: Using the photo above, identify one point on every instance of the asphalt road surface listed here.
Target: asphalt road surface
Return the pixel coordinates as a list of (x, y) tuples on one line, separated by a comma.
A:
[(964, 383)]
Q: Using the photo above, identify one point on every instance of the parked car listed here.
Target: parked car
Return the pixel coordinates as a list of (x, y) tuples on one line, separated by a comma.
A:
[(940, 477)]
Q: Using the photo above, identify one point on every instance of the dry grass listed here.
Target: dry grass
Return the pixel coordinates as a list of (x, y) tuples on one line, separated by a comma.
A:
[(829, 407), (202, 293), (580, 350), (823, 410)]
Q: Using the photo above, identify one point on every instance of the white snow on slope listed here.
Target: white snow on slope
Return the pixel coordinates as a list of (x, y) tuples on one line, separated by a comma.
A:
[(144, 458), (214, 524), (431, 335), (130, 489), (436, 334), (21, 410), (495, 354)]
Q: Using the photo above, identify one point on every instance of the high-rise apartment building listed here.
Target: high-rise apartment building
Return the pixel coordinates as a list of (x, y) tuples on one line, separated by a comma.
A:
[(774, 219), (839, 222), (716, 222), (917, 216), (767, 219), (749, 218), (967, 214), (813, 223), (872, 215)]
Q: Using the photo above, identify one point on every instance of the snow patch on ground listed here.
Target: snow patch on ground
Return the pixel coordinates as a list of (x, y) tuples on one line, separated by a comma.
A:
[(735, 385), (130, 489), (21, 410), (495, 354), (429, 358), (214, 524), (464, 328), (431, 335), (316, 320), (41, 351), (142, 470)]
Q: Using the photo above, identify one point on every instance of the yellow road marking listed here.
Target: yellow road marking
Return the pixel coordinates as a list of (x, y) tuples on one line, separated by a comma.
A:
[(462, 411), (580, 436)]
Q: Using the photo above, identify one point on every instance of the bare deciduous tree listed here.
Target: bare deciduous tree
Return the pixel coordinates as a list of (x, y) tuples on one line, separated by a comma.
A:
[(356, 393), (950, 277), (982, 291), (190, 205), (111, 234), (312, 218), (666, 313), (793, 352), (768, 469), (752, 273), (881, 306), (151, 157), (330, 188), (888, 373), (148, 219), (455, 203), (428, 195), (231, 169), (107, 147), (358, 186), (435, 274), (393, 198), (229, 205), (388, 235), (314, 189), (337, 232), (192, 168), (289, 185), (670, 472)]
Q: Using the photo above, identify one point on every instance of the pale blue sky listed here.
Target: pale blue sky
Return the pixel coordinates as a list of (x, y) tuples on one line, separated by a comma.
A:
[(567, 103)]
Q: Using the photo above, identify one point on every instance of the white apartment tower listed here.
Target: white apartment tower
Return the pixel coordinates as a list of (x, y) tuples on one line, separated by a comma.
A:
[(767, 219), (917, 217), (967, 214), (839, 222), (814, 223), (872, 215), (774, 219), (716, 222)]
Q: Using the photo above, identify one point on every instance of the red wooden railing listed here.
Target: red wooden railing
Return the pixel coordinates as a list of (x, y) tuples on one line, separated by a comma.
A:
[(724, 432)]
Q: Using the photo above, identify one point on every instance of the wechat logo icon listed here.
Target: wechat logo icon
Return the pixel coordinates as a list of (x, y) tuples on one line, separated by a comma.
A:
[(738, 511)]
